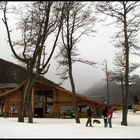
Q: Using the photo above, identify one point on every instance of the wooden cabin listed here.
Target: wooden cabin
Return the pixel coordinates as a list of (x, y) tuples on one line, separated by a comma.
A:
[(49, 100)]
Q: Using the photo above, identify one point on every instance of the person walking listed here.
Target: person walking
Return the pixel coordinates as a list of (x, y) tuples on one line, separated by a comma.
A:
[(110, 113), (89, 115), (105, 115)]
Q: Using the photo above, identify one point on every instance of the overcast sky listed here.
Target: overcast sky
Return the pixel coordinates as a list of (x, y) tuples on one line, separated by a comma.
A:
[(95, 48)]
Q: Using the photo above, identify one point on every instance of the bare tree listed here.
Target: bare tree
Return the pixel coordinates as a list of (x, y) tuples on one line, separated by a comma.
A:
[(109, 78), (41, 20), (78, 22), (126, 16), (119, 72)]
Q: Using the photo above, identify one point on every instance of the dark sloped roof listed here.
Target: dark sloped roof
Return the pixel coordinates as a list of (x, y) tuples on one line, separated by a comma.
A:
[(13, 73)]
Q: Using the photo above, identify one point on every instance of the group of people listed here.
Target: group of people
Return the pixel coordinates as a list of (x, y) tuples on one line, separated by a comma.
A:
[(107, 116)]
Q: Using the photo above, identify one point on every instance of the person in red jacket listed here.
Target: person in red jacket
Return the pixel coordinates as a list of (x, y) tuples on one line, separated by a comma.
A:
[(110, 113)]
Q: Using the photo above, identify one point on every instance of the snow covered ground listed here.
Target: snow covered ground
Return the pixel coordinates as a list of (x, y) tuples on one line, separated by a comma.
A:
[(67, 128)]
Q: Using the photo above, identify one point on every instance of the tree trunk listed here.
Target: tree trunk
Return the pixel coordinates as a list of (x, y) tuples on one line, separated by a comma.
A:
[(25, 99), (108, 100), (124, 115), (30, 110), (75, 107), (23, 103), (21, 113), (30, 100), (125, 103)]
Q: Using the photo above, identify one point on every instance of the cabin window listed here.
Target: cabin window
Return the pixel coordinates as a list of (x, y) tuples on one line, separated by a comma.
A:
[(48, 94), (38, 100), (43, 102), (64, 108), (13, 108), (65, 111), (49, 108), (43, 97), (82, 108)]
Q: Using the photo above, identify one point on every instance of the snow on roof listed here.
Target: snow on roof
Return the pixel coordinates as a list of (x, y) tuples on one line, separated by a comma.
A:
[(8, 85)]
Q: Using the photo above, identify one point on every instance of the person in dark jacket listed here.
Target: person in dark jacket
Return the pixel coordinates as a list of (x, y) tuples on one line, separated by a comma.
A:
[(89, 115), (105, 115)]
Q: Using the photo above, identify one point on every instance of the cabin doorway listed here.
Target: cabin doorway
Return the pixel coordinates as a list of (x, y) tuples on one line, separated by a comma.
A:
[(38, 112)]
